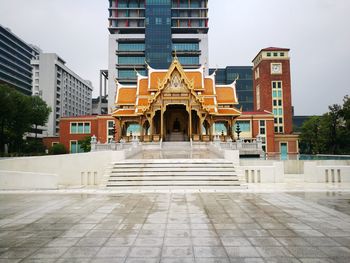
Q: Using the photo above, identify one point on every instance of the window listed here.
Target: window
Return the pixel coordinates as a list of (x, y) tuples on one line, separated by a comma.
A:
[(262, 128), (268, 54), (75, 147), (110, 130), (243, 125), (80, 128)]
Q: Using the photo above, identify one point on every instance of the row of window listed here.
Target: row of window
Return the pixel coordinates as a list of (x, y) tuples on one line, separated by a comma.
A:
[(129, 74), (275, 54), (141, 47), (80, 128)]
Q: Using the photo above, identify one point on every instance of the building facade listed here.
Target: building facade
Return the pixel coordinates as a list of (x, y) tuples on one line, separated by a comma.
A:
[(15, 57), (75, 129), (149, 32), (63, 90), (272, 93), (176, 104), (244, 86)]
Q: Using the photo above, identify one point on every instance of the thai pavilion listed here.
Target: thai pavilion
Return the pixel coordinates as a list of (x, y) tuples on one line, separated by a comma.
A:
[(175, 105)]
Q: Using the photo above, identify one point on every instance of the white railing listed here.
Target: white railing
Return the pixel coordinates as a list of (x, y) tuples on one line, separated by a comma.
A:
[(249, 148)]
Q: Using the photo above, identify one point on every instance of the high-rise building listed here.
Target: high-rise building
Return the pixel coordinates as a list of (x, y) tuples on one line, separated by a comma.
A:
[(63, 90), (15, 57), (272, 93), (150, 32), (244, 85)]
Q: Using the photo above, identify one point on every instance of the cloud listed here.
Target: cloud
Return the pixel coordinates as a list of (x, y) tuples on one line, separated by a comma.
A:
[(315, 30)]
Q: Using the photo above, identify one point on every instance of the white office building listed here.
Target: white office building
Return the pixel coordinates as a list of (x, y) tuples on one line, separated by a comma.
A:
[(63, 90)]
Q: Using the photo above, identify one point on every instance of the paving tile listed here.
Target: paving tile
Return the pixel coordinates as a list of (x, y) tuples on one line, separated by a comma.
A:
[(142, 260), (107, 260), (336, 251), (147, 242), (235, 241), (18, 252), (142, 252), (81, 252), (268, 252), (91, 242), (246, 260), (206, 241), (293, 241), (306, 252), (322, 241), (122, 241), (317, 260), (112, 252), (209, 252), (181, 252), (264, 242), (49, 252), (212, 260), (177, 260), (244, 252)]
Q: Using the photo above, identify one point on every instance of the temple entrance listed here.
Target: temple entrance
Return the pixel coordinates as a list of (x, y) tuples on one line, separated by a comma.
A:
[(176, 123)]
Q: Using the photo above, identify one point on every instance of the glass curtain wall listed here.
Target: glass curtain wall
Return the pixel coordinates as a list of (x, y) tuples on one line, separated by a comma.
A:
[(158, 33)]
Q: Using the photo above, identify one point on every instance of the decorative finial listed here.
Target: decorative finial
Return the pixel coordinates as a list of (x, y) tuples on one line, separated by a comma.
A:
[(137, 73), (148, 66)]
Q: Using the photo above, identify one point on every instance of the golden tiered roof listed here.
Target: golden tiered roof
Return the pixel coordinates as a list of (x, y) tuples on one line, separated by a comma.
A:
[(216, 100)]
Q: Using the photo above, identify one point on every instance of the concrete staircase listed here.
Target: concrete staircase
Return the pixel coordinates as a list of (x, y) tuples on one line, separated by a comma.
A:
[(177, 137), (178, 174)]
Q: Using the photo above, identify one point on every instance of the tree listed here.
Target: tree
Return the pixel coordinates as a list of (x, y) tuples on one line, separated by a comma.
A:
[(6, 114), (329, 133), (18, 114), (309, 138), (39, 113), (85, 144)]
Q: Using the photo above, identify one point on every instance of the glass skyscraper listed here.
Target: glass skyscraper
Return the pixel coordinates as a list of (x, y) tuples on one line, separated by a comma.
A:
[(244, 85), (150, 32), (15, 57)]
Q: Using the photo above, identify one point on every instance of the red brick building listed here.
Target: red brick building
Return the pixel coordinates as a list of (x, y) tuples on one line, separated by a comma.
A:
[(74, 129), (272, 93)]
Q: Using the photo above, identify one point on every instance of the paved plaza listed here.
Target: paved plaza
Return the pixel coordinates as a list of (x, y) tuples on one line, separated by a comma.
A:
[(175, 227)]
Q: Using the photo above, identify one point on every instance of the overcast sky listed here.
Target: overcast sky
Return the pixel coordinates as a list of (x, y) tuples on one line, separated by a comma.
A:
[(317, 31)]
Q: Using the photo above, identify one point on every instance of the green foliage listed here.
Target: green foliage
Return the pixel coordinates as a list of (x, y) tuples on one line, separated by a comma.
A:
[(39, 112), (58, 149), (329, 133), (34, 147), (85, 144), (18, 114)]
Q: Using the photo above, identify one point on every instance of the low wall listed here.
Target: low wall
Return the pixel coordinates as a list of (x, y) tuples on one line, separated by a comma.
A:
[(10, 180), (71, 169), (326, 172), (262, 171), (293, 166)]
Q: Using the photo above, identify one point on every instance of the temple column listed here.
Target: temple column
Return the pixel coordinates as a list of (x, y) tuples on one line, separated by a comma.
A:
[(161, 123), (190, 122), (151, 128)]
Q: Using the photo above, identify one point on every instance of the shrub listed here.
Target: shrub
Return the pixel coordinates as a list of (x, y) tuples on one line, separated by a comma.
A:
[(58, 149)]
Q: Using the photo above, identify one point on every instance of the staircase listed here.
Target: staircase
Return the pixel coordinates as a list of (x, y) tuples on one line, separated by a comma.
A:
[(176, 137), (176, 173)]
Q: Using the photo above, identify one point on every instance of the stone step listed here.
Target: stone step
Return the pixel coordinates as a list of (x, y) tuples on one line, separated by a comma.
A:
[(184, 173), (173, 178), (172, 169), (173, 161), (172, 183)]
